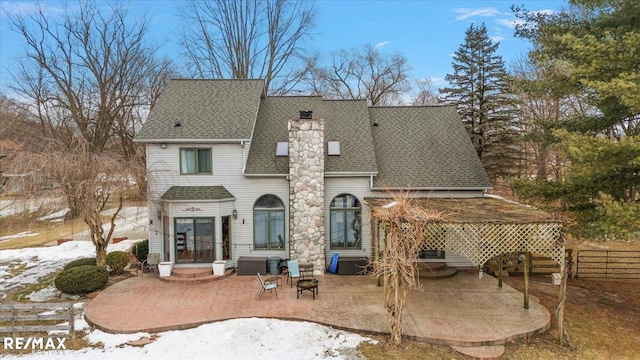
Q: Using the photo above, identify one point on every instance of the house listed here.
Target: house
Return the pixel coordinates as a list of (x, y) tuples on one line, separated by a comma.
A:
[(233, 172)]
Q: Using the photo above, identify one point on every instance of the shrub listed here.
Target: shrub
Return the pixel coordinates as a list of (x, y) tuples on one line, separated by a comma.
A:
[(117, 260), (82, 279), (80, 262), (141, 250)]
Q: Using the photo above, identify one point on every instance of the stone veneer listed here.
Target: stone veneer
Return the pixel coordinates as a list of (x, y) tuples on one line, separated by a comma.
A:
[(306, 192)]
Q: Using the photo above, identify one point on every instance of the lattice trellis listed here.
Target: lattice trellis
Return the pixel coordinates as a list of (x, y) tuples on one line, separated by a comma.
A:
[(480, 242)]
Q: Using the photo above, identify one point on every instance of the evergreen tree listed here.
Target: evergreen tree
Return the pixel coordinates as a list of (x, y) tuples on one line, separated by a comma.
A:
[(589, 52), (479, 88)]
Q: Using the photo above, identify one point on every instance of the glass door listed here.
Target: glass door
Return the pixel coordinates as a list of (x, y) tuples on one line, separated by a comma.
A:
[(194, 240)]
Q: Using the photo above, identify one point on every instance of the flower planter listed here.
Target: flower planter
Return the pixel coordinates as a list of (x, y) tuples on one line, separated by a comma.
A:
[(218, 267), (164, 268)]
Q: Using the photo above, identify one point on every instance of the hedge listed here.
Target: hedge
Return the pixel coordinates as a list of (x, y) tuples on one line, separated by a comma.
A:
[(82, 279)]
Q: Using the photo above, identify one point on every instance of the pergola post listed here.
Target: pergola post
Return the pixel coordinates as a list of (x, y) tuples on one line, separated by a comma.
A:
[(500, 270), (375, 235), (562, 294), (526, 279), (385, 278)]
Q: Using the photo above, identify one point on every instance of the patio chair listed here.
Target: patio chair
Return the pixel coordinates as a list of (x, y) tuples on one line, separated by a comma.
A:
[(267, 285), (293, 271), (151, 262)]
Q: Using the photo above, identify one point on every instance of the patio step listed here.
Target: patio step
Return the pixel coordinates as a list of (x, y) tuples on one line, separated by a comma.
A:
[(195, 275), (192, 272), (437, 272)]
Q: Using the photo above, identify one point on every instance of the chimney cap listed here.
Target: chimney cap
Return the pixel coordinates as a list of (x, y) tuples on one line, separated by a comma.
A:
[(306, 114)]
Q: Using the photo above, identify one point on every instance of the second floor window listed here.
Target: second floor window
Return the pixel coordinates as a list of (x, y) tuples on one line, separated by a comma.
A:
[(195, 161)]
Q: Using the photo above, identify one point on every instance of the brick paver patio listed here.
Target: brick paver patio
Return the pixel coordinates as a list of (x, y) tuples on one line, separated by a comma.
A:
[(463, 310)]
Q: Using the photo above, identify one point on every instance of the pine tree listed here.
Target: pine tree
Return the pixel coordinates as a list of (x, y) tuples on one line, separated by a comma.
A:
[(479, 88)]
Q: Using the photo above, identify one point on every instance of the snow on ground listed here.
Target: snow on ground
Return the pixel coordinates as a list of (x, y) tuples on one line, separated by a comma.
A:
[(131, 222), (251, 338), (18, 235), (10, 207), (232, 339), (38, 262), (55, 216), (27, 266)]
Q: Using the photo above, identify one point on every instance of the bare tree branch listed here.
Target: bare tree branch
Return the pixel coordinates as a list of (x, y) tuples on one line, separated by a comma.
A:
[(427, 93), (361, 74), (89, 72), (246, 39)]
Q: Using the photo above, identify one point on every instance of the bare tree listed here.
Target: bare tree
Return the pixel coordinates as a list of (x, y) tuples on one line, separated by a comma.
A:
[(427, 93), (88, 72), (127, 126), (91, 181), (363, 73), (246, 39), (544, 106), (13, 119)]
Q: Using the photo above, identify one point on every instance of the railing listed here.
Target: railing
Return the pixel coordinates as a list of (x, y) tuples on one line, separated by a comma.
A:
[(538, 265), (38, 317), (608, 264)]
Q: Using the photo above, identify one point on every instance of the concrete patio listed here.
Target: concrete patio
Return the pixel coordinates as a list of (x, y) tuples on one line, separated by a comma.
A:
[(463, 310)]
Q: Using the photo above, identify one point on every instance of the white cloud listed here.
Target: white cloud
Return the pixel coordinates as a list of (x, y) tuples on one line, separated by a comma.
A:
[(510, 23), (27, 7), (18, 7), (496, 38), (381, 44), (464, 13)]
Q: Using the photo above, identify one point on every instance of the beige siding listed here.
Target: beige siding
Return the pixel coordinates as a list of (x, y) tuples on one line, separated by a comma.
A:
[(227, 163), (358, 187)]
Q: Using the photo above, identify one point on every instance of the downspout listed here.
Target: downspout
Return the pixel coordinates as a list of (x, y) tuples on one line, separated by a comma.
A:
[(244, 165)]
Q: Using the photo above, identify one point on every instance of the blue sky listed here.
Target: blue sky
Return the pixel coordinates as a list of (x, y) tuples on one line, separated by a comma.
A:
[(426, 32)]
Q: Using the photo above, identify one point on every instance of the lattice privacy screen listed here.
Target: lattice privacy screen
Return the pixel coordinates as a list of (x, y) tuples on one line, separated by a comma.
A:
[(480, 242)]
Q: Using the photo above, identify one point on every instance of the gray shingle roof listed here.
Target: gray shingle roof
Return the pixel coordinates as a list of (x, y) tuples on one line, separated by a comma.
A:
[(197, 193), (207, 109), (424, 147), (345, 121), (418, 147)]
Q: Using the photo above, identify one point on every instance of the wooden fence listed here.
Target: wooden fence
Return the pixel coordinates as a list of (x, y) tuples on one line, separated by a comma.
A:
[(37, 317), (608, 264)]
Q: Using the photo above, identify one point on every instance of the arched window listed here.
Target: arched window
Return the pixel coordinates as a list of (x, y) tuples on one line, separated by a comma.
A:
[(268, 223), (346, 222)]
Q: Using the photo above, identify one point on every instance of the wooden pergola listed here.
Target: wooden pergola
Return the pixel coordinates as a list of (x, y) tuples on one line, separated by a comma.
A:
[(480, 229)]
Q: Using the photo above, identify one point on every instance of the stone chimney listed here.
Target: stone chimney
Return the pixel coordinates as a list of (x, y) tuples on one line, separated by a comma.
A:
[(306, 191)]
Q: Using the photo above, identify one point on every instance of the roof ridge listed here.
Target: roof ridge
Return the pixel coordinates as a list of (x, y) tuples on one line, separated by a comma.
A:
[(354, 100), (411, 106), (292, 96)]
